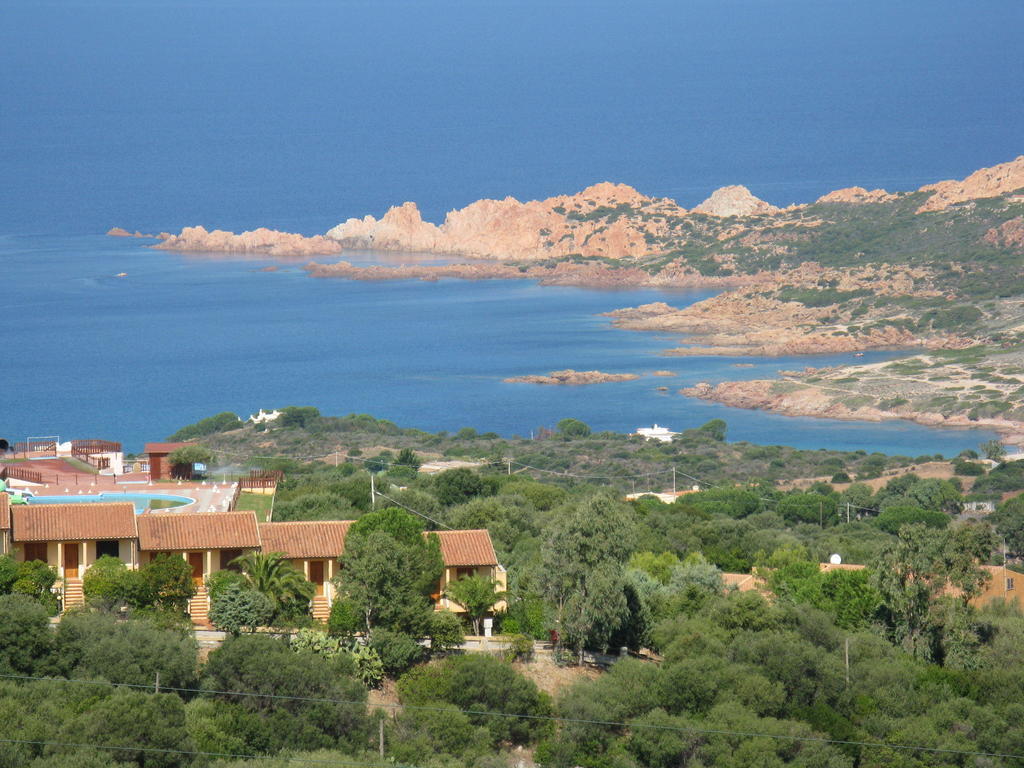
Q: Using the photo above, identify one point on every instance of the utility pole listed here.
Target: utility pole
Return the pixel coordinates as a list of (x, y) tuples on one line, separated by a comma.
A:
[(380, 739), (847, 512), (673, 481), (156, 687), (846, 653), (510, 467), (373, 493)]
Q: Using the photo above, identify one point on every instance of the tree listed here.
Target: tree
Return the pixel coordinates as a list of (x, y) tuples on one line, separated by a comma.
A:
[(36, 579), (913, 572), (457, 486), (389, 571), (273, 576), (237, 609), (481, 684), (167, 581), (715, 429), (222, 422), (25, 636), (477, 594), (583, 569), (445, 631), (407, 458), (185, 458), (303, 700), (573, 428), (92, 645), (143, 729), (994, 451), (1008, 520), (302, 417), (892, 518)]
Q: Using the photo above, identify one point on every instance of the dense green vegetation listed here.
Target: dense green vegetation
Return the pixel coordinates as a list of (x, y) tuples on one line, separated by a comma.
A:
[(567, 448), (840, 668)]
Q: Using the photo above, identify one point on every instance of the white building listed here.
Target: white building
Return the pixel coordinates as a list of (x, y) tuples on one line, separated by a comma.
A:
[(264, 416), (664, 434)]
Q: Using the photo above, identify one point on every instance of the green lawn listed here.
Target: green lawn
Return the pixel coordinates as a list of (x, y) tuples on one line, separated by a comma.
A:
[(258, 502)]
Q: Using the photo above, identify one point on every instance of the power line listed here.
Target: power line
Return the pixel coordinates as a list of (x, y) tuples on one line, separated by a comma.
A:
[(521, 716), (413, 511)]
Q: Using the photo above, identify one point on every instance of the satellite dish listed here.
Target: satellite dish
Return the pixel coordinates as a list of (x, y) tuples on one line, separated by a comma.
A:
[(835, 559)]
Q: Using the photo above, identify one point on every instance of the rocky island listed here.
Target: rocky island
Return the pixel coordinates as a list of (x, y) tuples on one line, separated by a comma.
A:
[(569, 377)]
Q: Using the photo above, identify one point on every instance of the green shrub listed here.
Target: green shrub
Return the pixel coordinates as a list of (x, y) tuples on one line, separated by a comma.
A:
[(397, 651)]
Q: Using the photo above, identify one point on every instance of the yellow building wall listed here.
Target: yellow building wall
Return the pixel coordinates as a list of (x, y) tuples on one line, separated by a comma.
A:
[(451, 573)]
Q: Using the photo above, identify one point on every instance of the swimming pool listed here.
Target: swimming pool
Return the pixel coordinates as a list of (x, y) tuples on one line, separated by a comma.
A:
[(142, 501)]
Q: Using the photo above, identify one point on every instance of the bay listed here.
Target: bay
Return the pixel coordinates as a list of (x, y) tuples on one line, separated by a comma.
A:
[(182, 337)]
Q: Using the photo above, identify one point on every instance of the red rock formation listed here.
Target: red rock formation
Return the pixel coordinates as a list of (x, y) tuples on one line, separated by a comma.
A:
[(734, 201), (509, 229), (1008, 235), (987, 182), (260, 241)]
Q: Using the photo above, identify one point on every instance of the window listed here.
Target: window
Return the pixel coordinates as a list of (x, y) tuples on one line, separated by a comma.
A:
[(226, 556), (108, 549), (1009, 584), (35, 550), (461, 573)]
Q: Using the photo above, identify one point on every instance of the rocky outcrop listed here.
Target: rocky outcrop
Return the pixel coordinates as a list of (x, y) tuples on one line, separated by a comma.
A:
[(600, 221), (856, 195), (119, 232), (791, 398), (1010, 234), (570, 377), (734, 201), (987, 182), (261, 241)]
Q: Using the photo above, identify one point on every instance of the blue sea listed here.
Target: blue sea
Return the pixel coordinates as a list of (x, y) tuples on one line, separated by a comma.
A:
[(155, 114)]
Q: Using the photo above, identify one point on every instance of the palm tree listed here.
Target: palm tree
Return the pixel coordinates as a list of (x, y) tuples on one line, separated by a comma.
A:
[(270, 574), (477, 594)]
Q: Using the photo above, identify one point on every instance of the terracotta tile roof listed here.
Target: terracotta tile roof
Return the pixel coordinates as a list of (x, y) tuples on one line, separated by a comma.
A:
[(73, 522), (826, 567), (164, 447), (174, 531), (319, 538), (5, 512), (467, 548)]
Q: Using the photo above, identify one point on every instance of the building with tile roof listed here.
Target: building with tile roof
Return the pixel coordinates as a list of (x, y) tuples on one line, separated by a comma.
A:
[(71, 537), (468, 553)]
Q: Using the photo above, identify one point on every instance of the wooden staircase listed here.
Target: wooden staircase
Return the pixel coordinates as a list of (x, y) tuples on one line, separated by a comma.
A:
[(74, 595), (199, 607), (321, 609)]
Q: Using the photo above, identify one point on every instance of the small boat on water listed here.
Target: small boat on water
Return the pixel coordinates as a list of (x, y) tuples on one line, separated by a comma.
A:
[(858, 354), (121, 274)]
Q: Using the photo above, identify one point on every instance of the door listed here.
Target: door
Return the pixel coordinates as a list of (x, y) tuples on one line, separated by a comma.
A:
[(195, 559), (71, 560), (316, 575)]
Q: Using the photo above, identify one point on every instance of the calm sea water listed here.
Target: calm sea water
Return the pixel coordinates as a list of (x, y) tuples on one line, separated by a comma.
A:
[(154, 114), (89, 354)]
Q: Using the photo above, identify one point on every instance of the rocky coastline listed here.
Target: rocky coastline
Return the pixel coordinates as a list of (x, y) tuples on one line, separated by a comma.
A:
[(808, 401)]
